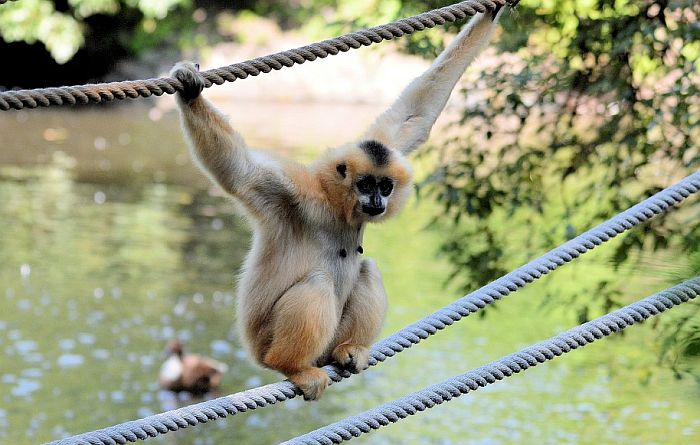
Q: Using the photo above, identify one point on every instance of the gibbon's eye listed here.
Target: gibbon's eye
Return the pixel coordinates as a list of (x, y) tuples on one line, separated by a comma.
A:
[(366, 185), (341, 168), (386, 185)]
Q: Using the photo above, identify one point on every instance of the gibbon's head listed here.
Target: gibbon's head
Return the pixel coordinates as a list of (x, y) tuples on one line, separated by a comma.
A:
[(367, 181)]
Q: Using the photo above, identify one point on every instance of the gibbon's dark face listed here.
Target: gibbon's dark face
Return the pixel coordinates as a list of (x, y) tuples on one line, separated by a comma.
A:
[(376, 175), (374, 192), (374, 189)]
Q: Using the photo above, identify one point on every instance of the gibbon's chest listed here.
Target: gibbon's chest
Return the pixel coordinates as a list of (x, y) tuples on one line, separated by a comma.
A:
[(341, 253)]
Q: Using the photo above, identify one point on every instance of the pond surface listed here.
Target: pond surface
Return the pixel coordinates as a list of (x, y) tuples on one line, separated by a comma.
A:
[(112, 244)]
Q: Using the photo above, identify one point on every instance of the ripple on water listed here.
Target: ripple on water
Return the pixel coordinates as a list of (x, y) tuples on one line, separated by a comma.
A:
[(147, 361), (45, 299), (95, 317), (25, 346), (100, 354), (145, 412), (34, 373), (8, 378), (117, 396), (25, 387), (66, 344), (86, 339), (24, 304), (33, 357), (146, 397), (221, 347), (70, 360)]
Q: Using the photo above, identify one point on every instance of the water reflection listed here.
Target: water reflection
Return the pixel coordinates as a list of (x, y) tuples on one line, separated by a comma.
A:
[(112, 245)]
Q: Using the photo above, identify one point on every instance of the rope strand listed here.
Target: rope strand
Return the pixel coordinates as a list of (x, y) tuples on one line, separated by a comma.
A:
[(105, 92), (270, 394), (529, 357)]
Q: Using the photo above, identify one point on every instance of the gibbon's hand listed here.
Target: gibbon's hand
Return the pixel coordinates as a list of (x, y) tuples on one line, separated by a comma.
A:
[(188, 74), (511, 3)]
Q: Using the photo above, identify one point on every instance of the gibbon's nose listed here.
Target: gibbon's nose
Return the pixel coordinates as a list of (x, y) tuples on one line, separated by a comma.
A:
[(373, 211)]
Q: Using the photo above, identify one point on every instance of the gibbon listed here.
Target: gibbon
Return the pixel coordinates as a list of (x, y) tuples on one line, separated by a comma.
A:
[(305, 295)]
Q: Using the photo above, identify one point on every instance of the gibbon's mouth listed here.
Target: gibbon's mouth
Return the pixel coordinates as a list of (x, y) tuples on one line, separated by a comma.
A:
[(372, 211)]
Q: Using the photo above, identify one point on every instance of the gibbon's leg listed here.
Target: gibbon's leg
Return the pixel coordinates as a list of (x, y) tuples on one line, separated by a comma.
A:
[(304, 321), (407, 123), (362, 319)]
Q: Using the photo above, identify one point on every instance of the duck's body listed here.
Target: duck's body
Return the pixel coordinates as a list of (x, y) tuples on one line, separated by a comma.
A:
[(189, 372)]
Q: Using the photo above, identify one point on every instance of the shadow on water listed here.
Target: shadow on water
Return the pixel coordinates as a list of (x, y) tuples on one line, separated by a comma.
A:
[(112, 244)]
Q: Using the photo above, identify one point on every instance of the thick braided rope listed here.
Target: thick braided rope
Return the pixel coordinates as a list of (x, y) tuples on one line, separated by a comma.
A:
[(104, 92), (267, 395), (529, 357)]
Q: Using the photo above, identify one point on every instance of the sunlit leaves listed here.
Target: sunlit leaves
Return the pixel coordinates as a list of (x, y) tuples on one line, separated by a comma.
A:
[(155, 8), (600, 113), (63, 33), (37, 20), (86, 8)]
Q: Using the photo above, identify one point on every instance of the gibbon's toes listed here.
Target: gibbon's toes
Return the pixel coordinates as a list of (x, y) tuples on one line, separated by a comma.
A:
[(192, 82), (312, 382), (353, 357)]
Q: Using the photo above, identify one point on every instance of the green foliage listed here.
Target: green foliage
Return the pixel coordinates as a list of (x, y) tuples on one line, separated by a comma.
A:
[(325, 18), (63, 32), (594, 105)]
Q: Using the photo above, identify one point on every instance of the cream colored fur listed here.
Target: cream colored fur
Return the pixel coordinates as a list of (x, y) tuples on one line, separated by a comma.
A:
[(305, 295)]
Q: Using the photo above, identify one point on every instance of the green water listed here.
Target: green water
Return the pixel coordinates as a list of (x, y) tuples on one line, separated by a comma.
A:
[(112, 243)]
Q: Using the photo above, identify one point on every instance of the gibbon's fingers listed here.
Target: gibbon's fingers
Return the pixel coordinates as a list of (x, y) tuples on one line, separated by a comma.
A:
[(188, 75), (407, 123)]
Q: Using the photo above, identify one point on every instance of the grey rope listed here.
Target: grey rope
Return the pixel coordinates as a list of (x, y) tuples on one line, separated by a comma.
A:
[(529, 357), (105, 92), (270, 394)]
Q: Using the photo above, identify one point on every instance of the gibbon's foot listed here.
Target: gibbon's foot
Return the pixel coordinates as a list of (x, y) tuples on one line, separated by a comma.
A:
[(188, 74), (311, 381), (353, 357)]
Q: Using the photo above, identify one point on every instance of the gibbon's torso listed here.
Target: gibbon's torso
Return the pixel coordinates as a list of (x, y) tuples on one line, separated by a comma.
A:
[(291, 242)]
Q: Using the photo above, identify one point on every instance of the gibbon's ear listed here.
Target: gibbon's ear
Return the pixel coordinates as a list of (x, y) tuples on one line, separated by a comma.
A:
[(407, 123), (342, 170)]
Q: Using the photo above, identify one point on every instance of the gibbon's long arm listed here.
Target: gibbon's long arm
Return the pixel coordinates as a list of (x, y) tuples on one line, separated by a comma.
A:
[(407, 123), (221, 150)]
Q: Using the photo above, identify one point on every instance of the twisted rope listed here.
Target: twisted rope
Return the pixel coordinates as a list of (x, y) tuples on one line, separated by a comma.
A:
[(270, 394), (104, 92), (529, 357)]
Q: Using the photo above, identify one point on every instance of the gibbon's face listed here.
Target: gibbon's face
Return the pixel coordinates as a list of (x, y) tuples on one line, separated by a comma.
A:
[(377, 177), (374, 193)]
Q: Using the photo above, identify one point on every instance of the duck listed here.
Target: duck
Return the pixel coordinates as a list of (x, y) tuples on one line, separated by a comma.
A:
[(189, 373)]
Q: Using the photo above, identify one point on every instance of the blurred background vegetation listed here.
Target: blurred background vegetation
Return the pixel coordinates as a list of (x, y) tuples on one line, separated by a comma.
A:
[(584, 108)]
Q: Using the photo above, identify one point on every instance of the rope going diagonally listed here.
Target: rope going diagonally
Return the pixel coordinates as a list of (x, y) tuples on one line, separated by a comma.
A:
[(529, 357), (270, 394), (104, 92)]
